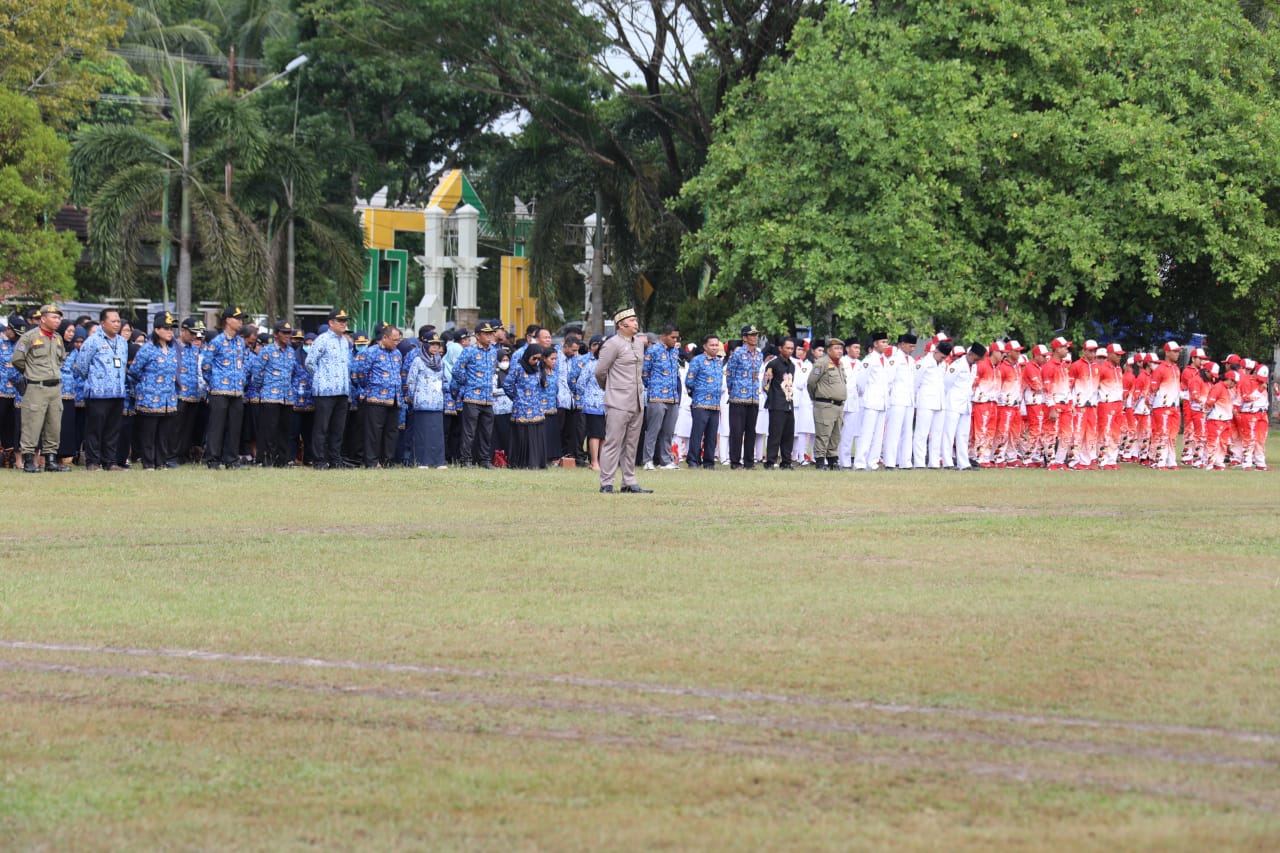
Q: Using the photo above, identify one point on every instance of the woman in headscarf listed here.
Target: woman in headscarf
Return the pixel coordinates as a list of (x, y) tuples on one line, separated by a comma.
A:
[(526, 386), (72, 395), (153, 373), (428, 388)]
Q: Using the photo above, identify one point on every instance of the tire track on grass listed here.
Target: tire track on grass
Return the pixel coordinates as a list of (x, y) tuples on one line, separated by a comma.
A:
[(775, 731), (897, 761), (656, 688)]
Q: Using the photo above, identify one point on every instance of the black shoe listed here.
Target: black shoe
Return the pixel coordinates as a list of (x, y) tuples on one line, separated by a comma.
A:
[(171, 465), (488, 466), (321, 466), (636, 490), (234, 465), (212, 466), (608, 490), (29, 464), (51, 464), (734, 466)]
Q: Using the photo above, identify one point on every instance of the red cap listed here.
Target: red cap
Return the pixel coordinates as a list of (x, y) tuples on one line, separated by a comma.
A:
[(1233, 375), (1263, 372), (1199, 352), (996, 346), (1060, 342), (1090, 344), (1014, 346), (1250, 364), (1114, 348), (1172, 346), (1039, 349), (1233, 359), (1212, 367)]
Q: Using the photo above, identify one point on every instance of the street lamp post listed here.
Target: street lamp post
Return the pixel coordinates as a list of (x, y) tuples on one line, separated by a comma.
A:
[(294, 64)]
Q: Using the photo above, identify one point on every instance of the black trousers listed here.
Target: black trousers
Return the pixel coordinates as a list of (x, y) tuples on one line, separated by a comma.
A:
[(742, 434), (477, 434), (782, 435), (72, 420), (152, 434), (453, 438), (381, 430), (580, 437), (703, 436), (8, 433), (300, 430), (183, 428), (273, 434), (327, 431), (226, 414), (102, 430)]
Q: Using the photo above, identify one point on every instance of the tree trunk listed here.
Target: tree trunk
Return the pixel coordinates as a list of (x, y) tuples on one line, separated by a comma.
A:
[(289, 267)]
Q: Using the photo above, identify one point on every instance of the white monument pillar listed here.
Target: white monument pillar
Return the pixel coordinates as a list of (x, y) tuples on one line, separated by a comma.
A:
[(431, 310), (467, 266)]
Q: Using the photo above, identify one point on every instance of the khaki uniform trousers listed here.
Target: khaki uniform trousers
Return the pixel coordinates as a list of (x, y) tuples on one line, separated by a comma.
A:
[(41, 412)]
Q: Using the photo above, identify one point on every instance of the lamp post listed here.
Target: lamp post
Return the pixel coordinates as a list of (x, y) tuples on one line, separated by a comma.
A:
[(294, 64)]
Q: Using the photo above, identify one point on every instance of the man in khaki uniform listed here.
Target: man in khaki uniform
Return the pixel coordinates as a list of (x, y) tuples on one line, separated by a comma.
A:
[(618, 370), (39, 354), (828, 389)]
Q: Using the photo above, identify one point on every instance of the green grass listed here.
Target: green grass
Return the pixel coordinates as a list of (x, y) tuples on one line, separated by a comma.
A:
[(755, 660)]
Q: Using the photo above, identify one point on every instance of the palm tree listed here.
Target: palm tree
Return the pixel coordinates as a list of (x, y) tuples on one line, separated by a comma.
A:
[(125, 174), (288, 186)]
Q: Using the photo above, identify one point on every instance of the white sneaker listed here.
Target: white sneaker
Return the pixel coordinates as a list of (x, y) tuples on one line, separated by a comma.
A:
[(671, 466), (423, 467), (442, 467), (648, 466)]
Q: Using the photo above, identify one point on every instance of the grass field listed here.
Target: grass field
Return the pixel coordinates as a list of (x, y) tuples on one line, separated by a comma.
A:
[(742, 660)]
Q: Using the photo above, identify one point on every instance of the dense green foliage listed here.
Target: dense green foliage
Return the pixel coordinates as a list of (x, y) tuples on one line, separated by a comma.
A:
[(996, 168), (34, 259)]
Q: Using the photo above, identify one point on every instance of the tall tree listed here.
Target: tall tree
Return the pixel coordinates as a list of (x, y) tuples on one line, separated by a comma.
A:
[(35, 260), (124, 173), (48, 49), (998, 168)]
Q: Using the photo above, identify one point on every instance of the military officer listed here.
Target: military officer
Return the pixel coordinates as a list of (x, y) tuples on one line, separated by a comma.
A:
[(39, 354), (827, 389)]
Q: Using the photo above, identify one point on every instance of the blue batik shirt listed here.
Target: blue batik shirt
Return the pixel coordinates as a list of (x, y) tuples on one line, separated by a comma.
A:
[(378, 371), (101, 366), (589, 393), (742, 373), (329, 364), (427, 386), (473, 374), (527, 394), (70, 385), (301, 391), (190, 379), (153, 372), (661, 373), (272, 375), (564, 396), (225, 365), (705, 382), (8, 373)]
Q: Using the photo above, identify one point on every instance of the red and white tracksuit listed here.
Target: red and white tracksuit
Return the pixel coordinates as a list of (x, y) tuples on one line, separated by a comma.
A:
[(986, 389), (1008, 424), (1110, 410), (1188, 375), (1057, 390), (1084, 424), (1193, 428), (1033, 398), (1166, 392), (1251, 416), (1219, 411), (1140, 451)]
